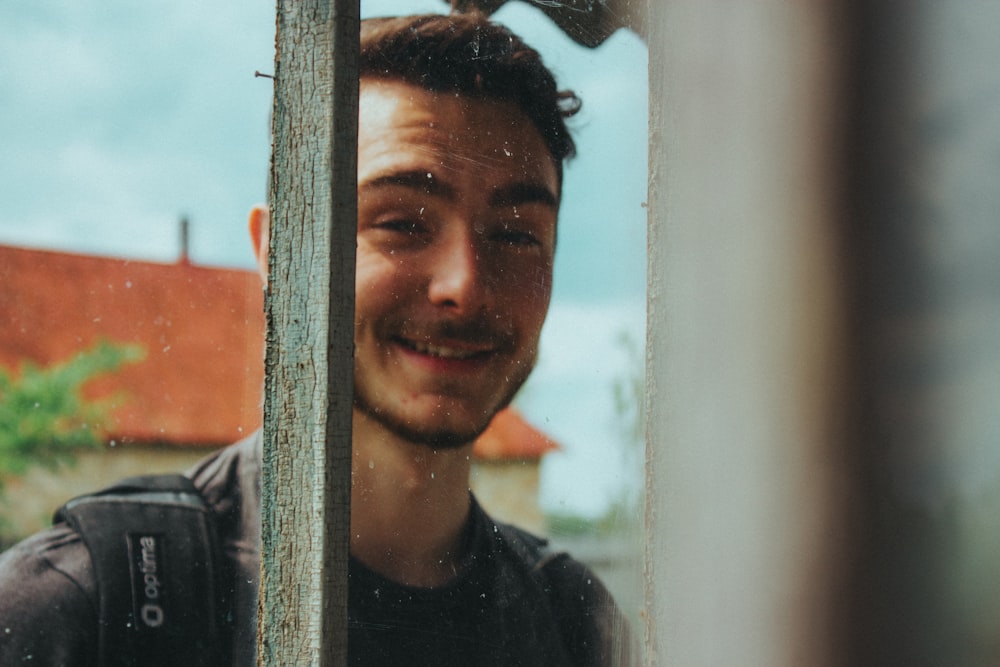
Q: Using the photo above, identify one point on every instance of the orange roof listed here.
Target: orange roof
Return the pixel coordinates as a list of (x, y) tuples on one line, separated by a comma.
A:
[(202, 377), (511, 437), (203, 331)]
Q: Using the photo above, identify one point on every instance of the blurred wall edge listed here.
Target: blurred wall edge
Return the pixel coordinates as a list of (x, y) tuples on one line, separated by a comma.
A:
[(823, 453)]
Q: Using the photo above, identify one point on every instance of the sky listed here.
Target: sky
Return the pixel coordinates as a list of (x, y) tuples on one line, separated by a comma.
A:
[(119, 118)]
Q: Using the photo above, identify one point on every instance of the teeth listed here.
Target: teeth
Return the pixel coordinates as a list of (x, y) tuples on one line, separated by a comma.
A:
[(443, 352)]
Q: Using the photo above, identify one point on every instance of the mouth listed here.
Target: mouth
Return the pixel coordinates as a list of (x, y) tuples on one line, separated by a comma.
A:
[(449, 351)]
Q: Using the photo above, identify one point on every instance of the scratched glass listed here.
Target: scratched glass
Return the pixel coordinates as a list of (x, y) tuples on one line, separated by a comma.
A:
[(134, 149)]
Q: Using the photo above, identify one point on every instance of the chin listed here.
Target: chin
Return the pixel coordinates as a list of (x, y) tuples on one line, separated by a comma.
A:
[(441, 433), (435, 436), (442, 439)]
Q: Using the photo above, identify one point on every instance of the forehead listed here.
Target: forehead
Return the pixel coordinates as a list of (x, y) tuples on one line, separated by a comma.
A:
[(405, 126)]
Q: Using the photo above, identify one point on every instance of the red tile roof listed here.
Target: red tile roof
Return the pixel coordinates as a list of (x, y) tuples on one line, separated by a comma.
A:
[(202, 328), (202, 377), (510, 437)]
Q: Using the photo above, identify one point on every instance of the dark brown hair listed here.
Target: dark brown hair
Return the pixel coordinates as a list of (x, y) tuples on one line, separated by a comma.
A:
[(471, 55)]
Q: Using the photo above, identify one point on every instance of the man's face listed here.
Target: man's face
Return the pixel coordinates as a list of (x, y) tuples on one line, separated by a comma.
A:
[(457, 203)]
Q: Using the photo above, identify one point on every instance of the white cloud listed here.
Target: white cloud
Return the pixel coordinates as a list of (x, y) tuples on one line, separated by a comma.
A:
[(570, 397)]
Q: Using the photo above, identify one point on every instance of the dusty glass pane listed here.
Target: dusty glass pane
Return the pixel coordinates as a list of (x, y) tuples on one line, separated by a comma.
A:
[(123, 120)]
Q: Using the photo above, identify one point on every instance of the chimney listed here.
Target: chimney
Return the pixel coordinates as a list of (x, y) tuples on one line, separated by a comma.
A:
[(184, 258)]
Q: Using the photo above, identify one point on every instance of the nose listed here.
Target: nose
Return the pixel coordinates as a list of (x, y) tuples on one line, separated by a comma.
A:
[(458, 280)]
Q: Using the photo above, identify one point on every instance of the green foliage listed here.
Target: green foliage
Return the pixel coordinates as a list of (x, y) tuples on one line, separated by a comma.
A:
[(44, 418), (571, 524), (629, 393), (629, 396), (617, 518)]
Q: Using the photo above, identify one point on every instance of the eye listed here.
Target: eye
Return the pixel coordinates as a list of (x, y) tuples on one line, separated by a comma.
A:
[(399, 232), (402, 226), (516, 233), (517, 238)]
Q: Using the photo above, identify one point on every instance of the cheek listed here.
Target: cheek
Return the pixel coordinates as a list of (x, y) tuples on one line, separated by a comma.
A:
[(380, 280), (530, 290), (536, 280)]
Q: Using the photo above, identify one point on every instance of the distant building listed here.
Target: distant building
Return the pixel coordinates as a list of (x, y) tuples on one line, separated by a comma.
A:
[(200, 383)]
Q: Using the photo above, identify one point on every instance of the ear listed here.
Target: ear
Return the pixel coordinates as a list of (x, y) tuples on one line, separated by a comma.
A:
[(260, 236)]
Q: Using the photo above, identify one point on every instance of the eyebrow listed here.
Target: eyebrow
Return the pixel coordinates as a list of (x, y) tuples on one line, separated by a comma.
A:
[(517, 194), (514, 194), (418, 179)]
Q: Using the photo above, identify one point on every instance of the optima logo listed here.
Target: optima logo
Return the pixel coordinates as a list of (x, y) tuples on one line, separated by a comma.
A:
[(151, 613), (147, 580)]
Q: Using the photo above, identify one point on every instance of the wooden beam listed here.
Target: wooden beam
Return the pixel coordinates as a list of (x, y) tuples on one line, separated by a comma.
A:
[(309, 357)]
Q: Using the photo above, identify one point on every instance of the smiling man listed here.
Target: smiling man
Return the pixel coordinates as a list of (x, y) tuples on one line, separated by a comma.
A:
[(461, 143), (456, 239)]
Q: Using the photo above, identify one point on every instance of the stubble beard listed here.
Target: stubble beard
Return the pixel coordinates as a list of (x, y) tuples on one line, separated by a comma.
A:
[(441, 438)]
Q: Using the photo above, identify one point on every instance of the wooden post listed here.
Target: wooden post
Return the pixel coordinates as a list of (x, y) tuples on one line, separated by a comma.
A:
[(310, 332)]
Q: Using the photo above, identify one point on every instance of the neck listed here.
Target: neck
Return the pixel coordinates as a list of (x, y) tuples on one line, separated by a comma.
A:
[(409, 505)]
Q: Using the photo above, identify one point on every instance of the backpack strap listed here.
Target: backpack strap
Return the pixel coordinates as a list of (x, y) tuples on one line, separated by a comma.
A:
[(153, 544)]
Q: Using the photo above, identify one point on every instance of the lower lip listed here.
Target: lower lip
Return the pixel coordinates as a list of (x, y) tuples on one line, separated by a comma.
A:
[(437, 364)]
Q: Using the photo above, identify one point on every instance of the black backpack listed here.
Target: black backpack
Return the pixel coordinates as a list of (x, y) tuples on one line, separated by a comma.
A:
[(154, 548)]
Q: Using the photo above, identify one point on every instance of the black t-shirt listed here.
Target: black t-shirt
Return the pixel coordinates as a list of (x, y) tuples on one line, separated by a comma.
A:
[(393, 624), (513, 604)]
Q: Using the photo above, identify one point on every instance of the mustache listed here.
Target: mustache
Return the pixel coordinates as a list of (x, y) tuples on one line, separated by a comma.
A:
[(478, 331)]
